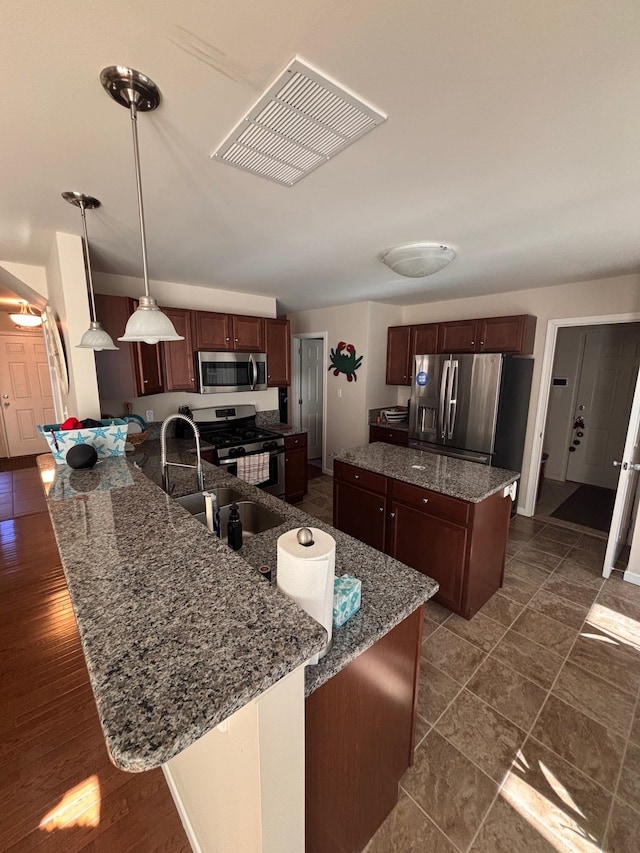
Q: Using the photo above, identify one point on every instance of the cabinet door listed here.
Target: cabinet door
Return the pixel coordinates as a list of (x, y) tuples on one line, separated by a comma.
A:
[(178, 355), (398, 343), (507, 334), (459, 336), (295, 474), (212, 331), (388, 436), (278, 349), (432, 546), (424, 340), (359, 513), (116, 370), (247, 333), (148, 364)]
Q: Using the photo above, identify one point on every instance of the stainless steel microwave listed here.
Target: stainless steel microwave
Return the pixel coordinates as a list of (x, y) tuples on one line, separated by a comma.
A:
[(220, 372)]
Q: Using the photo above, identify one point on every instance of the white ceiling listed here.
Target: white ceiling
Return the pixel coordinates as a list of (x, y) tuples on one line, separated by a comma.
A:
[(513, 134)]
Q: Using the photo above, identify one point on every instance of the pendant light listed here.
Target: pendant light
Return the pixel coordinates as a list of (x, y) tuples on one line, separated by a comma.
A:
[(95, 337), (26, 317), (139, 93)]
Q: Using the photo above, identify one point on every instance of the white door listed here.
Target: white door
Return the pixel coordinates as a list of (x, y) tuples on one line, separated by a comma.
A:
[(25, 392), (605, 392), (310, 399), (628, 465)]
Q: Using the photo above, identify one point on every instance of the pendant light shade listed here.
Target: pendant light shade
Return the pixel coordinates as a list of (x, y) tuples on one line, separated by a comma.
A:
[(95, 337), (26, 318), (139, 93)]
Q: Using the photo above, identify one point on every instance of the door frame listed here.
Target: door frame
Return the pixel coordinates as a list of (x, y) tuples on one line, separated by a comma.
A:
[(297, 378)]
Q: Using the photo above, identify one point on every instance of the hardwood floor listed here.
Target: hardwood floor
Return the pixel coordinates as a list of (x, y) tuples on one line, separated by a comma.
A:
[(58, 789)]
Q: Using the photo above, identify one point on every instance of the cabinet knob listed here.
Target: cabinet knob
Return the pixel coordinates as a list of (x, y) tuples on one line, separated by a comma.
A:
[(356, 476), (481, 343), (236, 340), (145, 381), (425, 500), (473, 343), (392, 514), (381, 509), (296, 441)]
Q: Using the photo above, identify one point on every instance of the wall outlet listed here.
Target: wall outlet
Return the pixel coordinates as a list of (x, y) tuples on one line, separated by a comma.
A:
[(148, 415)]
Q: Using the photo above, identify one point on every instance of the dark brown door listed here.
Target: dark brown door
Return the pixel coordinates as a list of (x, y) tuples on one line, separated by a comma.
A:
[(459, 336), (178, 355), (247, 333), (507, 334), (212, 331), (360, 514), (424, 340), (398, 340), (295, 474), (148, 363), (432, 546), (278, 349)]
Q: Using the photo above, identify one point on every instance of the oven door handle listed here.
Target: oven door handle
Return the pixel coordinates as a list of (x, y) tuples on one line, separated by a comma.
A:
[(272, 451)]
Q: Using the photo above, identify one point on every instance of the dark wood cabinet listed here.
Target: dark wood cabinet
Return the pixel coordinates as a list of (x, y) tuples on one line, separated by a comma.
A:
[(359, 739), (247, 333), (295, 467), (135, 370), (212, 331), (360, 504), (460, 544), (179, 362), (507, 334), (424, 340), (459, 336), (278, 349), (388, 436), (398, 346)]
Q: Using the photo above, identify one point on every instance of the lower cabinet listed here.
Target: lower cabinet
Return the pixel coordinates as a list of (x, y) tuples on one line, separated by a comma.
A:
[(460, 544), (388, 436), (295, 467), (359, 741)]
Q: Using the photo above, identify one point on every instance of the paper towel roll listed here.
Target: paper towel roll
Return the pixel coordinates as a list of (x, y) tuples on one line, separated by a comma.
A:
[(306, 574)]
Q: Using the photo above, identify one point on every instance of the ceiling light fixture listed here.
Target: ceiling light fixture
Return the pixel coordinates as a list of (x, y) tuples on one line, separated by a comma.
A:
[(418, 260), (95, 337), (139, 93), (26, 317)]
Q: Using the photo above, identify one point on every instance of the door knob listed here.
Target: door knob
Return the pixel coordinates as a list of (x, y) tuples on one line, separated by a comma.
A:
[(634, 466), (5, 396), (616, 464)]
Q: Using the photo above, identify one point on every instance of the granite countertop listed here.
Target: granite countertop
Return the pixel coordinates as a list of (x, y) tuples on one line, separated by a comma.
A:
[(178, 631), (284, 429), (457, 478)]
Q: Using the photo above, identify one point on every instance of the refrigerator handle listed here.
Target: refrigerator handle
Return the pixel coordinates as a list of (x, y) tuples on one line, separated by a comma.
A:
[(444, 381), (453, 399)]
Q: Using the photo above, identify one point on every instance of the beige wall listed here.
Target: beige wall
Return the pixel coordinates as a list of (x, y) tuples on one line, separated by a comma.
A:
[(67, 287), (364, 325), (612, 296), (175, 295)]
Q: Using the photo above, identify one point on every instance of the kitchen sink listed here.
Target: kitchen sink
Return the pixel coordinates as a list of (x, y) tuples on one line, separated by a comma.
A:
[(194, 503), (255, 518)]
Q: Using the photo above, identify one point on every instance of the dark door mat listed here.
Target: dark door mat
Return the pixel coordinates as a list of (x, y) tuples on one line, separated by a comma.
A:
[(591, 506), (16, 463)]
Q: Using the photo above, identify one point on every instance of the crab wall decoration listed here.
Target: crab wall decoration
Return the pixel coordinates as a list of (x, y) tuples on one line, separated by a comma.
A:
[(343, 360)]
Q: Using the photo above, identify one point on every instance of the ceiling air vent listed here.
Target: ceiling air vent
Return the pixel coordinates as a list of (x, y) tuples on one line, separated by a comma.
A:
[(301, 121)]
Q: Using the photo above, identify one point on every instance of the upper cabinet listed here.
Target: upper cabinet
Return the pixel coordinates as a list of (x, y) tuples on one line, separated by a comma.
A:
[(514, 335), (179, 362), (278, 349), (403, 342), (212, 331), (226, 332)]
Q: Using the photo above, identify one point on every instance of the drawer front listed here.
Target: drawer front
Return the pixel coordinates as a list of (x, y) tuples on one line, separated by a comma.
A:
[(359, 477), (388, 436), (293, 441), (449, 509)]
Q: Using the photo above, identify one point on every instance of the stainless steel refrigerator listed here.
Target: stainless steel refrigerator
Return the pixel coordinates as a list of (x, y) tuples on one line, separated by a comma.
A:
[(471, 406)]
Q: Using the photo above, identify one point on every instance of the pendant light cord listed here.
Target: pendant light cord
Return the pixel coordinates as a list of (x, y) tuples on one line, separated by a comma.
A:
[(136, 158), (87, 262)]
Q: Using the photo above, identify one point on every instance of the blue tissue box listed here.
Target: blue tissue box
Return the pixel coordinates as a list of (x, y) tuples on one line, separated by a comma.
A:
[(346, 598)]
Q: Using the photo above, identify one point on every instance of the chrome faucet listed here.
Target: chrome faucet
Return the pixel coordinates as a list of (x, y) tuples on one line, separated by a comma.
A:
[(163, 452)]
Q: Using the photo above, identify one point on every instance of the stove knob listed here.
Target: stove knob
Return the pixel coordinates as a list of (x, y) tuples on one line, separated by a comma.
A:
[(269, 444)]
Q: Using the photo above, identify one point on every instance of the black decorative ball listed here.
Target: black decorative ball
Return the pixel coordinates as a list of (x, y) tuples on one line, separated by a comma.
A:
[(81, 456)]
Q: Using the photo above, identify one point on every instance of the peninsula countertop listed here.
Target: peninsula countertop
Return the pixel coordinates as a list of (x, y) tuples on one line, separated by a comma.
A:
[(179, 631), (457, 478)]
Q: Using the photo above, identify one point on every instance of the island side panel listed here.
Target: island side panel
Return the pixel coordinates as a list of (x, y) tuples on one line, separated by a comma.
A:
[(488, 544), (360, 729)]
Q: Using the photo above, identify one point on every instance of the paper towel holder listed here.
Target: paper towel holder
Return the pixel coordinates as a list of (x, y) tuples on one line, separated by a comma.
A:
[(305, 537)]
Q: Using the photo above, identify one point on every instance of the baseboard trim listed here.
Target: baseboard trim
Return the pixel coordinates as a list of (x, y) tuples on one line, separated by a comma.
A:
[(632, 577), (186, 823)]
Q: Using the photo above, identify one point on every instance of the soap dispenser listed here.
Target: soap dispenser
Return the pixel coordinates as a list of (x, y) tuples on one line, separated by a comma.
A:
[(234, 529)]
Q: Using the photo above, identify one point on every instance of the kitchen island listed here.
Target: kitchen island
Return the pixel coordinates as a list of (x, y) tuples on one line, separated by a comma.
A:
[(445, 517), (181, 634)]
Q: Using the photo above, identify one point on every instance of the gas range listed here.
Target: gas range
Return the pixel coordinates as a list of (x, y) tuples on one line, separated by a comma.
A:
[(233, 432)]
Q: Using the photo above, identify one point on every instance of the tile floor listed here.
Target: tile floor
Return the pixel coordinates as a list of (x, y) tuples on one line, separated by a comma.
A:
[(528, 735)]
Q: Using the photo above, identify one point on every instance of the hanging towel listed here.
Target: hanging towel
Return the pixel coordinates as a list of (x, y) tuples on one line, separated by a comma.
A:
[(254, 469)]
